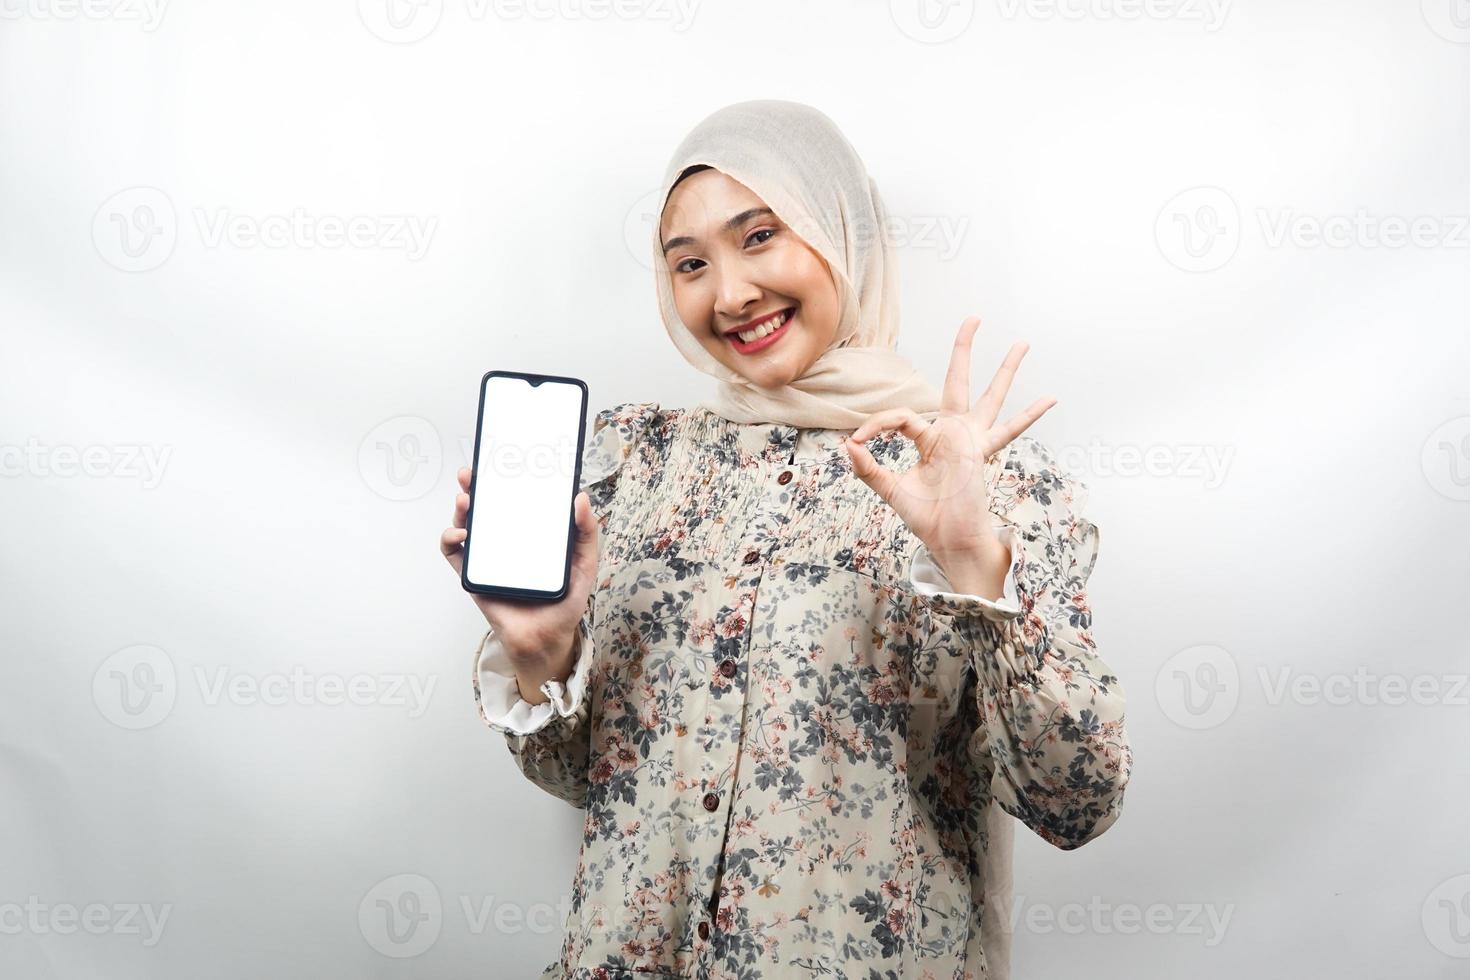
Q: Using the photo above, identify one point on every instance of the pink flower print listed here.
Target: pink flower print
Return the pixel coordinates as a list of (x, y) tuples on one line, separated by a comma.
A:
[(702, 632)]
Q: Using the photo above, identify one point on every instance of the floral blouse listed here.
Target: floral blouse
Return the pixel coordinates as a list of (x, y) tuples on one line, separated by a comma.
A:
[(786, 732)]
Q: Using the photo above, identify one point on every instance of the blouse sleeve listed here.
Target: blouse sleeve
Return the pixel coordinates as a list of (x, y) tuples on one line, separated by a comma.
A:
[(1051, 709), (499, 695), (928, 579), (550, 741)]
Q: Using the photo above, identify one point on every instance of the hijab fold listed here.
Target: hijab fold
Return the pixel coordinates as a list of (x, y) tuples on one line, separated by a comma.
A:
[(798, 162)]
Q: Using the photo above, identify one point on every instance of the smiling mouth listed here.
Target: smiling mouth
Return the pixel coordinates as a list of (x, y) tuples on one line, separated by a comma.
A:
[(746, 338)]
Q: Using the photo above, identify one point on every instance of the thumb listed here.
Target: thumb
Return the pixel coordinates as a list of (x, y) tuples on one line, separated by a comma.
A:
[(586, 553), (587, 527), (868, 469)]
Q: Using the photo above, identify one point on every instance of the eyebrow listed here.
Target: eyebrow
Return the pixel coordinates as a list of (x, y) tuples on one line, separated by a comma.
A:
[(730, 225)]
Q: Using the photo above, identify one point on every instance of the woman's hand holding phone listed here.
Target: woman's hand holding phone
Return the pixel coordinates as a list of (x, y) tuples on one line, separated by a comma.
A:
[(537, 636)]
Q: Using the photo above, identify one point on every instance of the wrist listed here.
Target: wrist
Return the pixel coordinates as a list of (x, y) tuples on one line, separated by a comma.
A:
[(981, 572), (532, 675)]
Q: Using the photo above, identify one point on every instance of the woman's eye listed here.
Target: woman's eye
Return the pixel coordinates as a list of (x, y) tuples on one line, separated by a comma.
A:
[(749, 240)]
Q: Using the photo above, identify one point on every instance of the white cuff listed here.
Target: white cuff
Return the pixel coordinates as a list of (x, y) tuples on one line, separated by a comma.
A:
[(928, 580), (501, 704)]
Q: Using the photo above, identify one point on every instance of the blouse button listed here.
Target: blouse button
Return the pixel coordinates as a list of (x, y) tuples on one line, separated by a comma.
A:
[(711, 802), (751, 557), (784, 478), (704, 930), (727, 667)]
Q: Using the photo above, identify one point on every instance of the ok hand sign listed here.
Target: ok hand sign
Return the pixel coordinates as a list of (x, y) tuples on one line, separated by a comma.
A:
[(945, 498)]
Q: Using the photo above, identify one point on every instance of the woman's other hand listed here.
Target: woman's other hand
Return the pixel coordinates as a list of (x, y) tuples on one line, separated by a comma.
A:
[(537, 636)]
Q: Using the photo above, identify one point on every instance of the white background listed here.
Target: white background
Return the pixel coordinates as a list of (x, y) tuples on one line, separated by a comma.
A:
[(172, 631)]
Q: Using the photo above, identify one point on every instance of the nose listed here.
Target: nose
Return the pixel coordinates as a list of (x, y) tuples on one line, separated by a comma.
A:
[(735, 293)]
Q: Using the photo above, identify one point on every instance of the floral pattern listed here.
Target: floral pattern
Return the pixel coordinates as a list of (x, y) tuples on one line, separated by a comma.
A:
[(786, 753)]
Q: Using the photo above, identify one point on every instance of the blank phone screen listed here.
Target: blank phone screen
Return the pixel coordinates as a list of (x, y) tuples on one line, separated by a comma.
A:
[(521, 508)]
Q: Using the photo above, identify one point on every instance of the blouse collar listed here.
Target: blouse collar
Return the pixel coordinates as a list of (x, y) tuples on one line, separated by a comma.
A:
[(771, 442)]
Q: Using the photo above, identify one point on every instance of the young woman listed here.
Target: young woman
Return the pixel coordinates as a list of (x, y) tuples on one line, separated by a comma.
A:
[(827, 633)]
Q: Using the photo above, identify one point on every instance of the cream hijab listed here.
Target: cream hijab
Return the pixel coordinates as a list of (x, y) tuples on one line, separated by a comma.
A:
[(796, 160)]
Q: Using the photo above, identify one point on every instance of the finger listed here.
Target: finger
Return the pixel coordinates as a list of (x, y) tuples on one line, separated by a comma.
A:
[(1020, 423), (988, 405), (464, 478), (868, 469), (461, 508), (587, 533), (451, 540), (586, 521), (905, 420), (956, 395)]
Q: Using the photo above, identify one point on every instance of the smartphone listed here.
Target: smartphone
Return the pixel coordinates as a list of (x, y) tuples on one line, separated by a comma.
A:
[(521, 527)]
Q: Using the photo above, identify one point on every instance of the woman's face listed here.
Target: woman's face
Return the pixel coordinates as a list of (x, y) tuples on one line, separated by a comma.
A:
[(735, 266)]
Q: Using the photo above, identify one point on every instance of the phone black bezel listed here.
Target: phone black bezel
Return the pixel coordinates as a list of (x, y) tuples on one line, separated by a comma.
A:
[(507, 591)]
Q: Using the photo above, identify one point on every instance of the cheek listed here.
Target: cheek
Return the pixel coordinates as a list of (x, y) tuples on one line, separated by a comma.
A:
[(820, 296), (696, 311), (807, 276), (692, 309), (806, 273)]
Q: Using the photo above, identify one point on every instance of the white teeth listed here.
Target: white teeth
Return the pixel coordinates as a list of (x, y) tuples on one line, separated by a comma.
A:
[(757, 333), (770, 326)]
